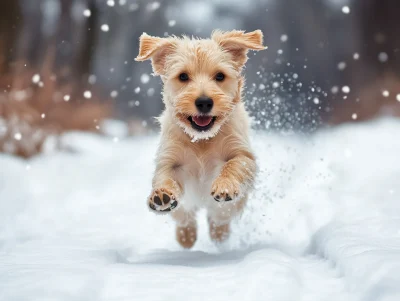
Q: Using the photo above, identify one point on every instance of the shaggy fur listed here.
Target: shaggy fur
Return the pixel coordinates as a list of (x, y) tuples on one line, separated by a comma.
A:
[(215, 168)]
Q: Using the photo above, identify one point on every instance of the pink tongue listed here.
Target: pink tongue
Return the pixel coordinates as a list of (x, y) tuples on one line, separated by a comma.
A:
[(202, 120)]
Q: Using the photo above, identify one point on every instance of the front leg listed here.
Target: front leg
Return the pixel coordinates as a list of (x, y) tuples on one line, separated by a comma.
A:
[(166, 190), (236, 177)]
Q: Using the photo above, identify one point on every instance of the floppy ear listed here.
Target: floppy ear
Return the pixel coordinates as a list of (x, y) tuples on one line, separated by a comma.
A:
[(238, 43), (157, 49)]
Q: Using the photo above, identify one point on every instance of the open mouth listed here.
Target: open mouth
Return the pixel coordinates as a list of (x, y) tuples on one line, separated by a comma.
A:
[(202, 122)]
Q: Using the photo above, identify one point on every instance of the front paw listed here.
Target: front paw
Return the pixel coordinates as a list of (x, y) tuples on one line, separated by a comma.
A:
[(225, 189), (162, 200)]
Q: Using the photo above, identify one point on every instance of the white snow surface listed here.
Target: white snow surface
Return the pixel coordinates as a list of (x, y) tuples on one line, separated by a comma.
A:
[(322, 224)]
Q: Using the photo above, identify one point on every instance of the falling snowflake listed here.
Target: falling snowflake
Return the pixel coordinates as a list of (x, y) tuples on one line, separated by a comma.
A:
[(150, 92), (171, 23), (67, 97), (354, 116), (346, 89), (110, 3), (275, 85), (284, 38), (137, 90), (114, 94), (87, 94), (133, 7), (145, 78), (92, 79), (385, 93), (18, 136), (36, 78), (356, 56), (398, 97), (154, 6), (346, 10), (87, 13), (105, 27), (335, 89), (383, 57), (341, 66)]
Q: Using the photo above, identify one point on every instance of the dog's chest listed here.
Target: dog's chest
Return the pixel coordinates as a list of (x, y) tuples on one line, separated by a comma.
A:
[(197, 173)]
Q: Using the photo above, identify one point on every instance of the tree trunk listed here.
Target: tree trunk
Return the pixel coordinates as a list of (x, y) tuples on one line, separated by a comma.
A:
[(10, 21)]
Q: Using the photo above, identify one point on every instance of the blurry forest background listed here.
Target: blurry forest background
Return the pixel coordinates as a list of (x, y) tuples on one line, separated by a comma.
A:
[(69, 64)]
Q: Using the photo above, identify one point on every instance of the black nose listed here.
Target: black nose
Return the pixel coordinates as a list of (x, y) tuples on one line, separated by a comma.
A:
[(204, 104)]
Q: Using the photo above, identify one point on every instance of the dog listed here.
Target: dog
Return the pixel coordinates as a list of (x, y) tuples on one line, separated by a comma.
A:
[(204, 158)]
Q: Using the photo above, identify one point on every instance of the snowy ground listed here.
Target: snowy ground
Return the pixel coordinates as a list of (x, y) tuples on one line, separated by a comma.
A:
[(323, 224)]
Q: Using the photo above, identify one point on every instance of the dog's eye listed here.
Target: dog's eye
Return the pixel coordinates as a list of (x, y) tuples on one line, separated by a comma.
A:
[(220, 77), (183, 77)]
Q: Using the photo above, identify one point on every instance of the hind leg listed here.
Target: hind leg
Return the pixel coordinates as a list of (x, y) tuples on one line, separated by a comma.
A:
[(186, 227), (220, 217)]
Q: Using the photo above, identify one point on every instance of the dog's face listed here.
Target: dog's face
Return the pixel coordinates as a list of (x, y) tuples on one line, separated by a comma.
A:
[(202, 78)]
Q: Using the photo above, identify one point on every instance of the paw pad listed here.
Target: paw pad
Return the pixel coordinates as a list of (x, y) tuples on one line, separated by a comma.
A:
[(223, 196), (162, 200)]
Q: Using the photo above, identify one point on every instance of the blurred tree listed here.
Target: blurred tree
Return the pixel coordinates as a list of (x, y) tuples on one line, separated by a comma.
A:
[(10, 23), (89, 40), (380, 32)]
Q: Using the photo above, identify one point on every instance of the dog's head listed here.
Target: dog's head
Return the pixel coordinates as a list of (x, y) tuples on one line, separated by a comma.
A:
[(202, 78)]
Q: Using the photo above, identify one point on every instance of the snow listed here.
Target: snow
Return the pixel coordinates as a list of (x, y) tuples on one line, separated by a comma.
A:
[(114, 94), (36, 78), (341, 66), (383, 57), (87, 13), (87, 94), (144, 78), (105, 27), (322, 224), (18, 136), (346, 10), (346, 89)]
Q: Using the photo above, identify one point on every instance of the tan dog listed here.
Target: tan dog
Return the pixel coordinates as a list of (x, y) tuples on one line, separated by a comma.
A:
[(204, 158)]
